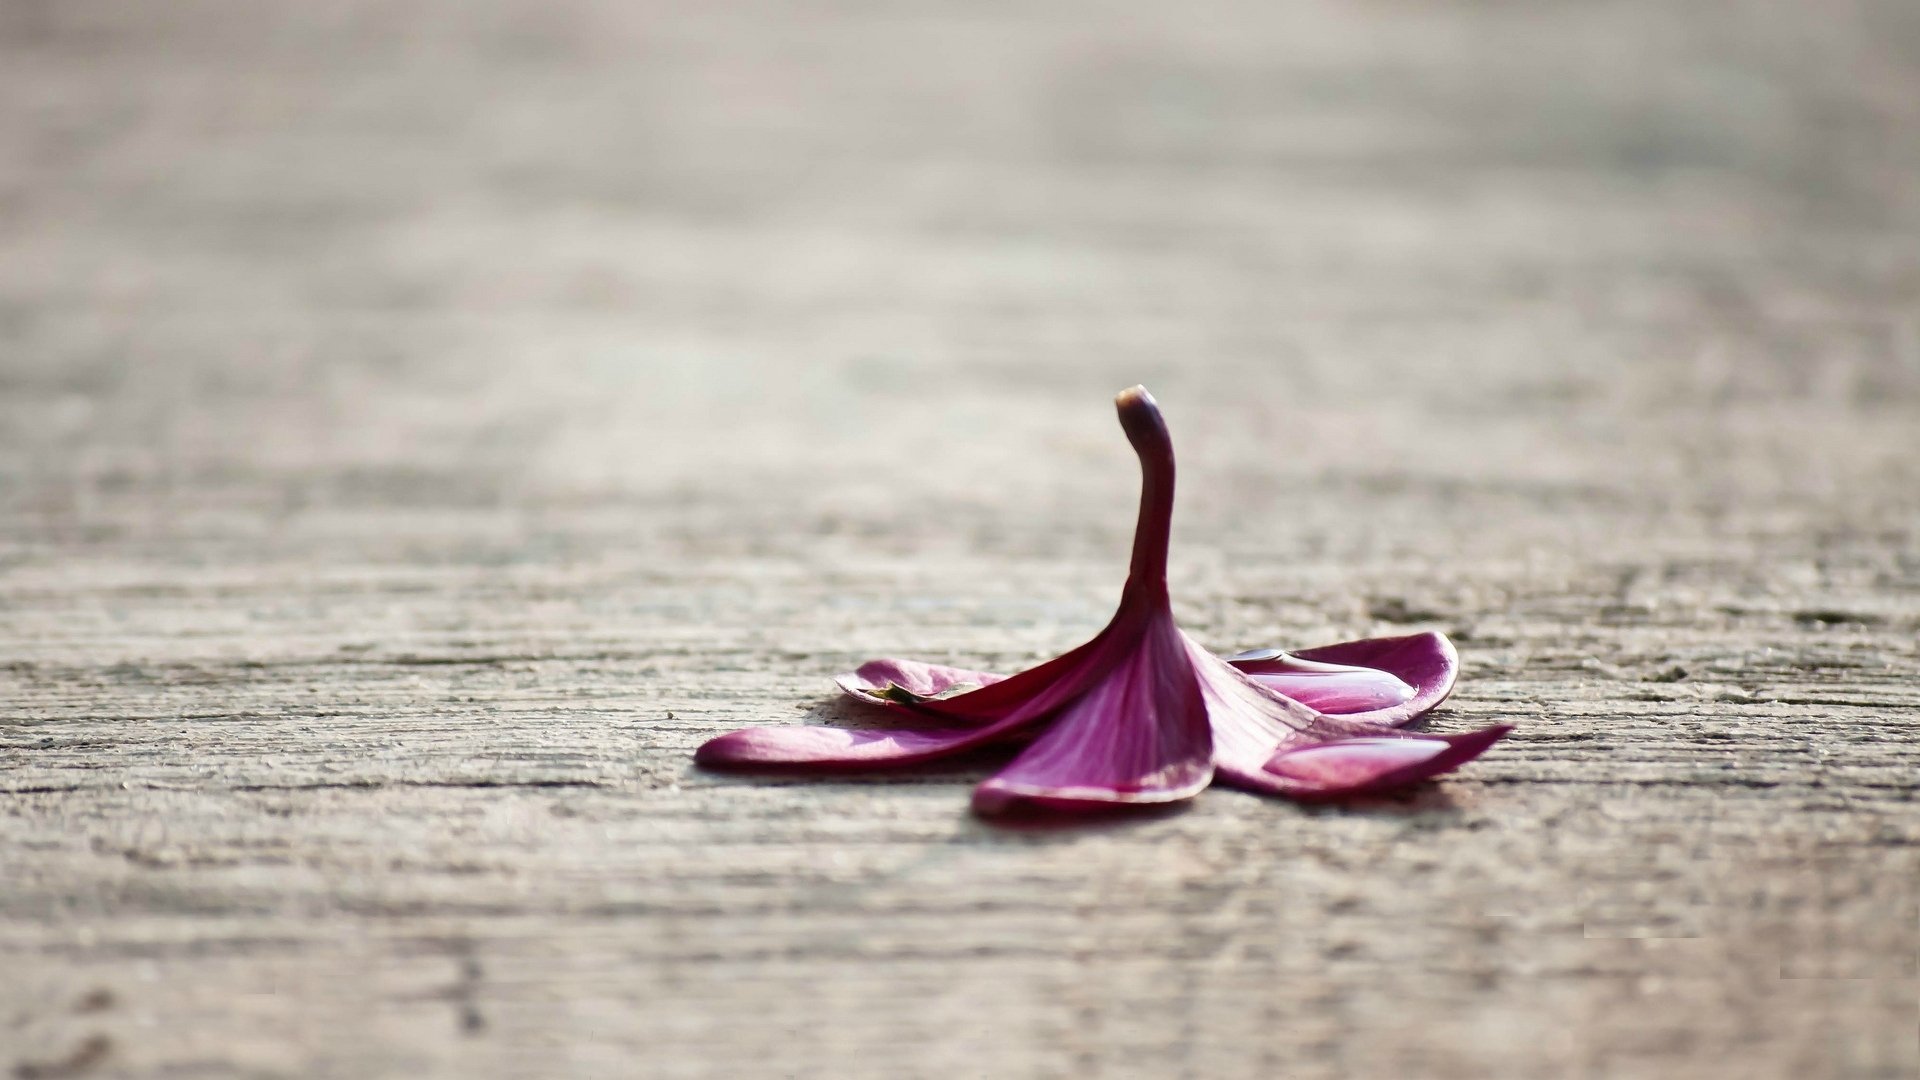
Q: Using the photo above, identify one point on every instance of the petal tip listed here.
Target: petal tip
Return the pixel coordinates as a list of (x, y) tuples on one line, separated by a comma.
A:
[(1367, 766), (1479, 741), (992, 801), (721, 750)]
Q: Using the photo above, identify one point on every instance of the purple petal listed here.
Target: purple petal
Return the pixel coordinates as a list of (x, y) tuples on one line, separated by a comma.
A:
[(1137, 735), (1042, 691), (1372, 764), (888, 680), (1250, 722), (1427, 662), (833, 747), (1267, 742), (1323, 687), (997, 696), (1052, 682)]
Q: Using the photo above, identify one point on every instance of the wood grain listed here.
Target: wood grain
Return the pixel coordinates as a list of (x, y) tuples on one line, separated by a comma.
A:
[(422, 424)]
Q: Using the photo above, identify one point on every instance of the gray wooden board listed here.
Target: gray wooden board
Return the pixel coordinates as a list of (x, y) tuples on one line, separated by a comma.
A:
[(421, 425)]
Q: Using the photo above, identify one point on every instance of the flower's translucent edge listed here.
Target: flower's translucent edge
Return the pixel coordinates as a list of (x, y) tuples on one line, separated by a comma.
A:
[(1138, 734), (1426, 661)]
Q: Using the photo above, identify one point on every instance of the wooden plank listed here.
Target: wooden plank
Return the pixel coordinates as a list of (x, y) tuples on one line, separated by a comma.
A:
[(421, 426)]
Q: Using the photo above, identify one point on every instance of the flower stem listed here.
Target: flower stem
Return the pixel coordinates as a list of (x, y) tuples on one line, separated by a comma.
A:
[(1140, 418)]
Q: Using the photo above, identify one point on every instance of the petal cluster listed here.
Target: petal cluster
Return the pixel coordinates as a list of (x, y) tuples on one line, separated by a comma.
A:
[(1142, 713)]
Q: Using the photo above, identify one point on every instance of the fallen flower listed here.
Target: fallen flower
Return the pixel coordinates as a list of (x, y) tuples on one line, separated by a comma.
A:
[(1142, 713)]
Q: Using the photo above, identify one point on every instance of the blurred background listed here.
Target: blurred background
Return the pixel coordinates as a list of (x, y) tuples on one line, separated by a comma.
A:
[(504, 253), (399, 399)]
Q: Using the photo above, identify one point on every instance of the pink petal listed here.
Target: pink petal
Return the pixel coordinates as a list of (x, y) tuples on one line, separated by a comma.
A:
[(1266, 742), (1372, 764), (1137, 735), (1051, 683), (1041, 691), (833, 747), (1323, 687), (882, 680), (1427, 662), (1250, 721), (997, 696)]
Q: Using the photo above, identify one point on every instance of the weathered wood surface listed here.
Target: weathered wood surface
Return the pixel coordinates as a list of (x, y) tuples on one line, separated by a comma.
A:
[(422, 425)]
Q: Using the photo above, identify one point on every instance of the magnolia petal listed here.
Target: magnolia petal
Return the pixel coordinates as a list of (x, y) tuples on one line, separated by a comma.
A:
[(908, 682), (1427, 662), (1138, 734)]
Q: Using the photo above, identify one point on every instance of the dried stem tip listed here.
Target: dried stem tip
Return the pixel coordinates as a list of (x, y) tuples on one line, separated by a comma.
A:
[(1140, 418), (1147, 430)]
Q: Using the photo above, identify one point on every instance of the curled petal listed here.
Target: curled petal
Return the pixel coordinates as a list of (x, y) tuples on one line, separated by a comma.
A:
[(940, 691), (1139, 734), (907, 682), (1250, 721), (1035, 691), (1322, 687), (1427, 662), (1264, 741), (1369, 764)]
